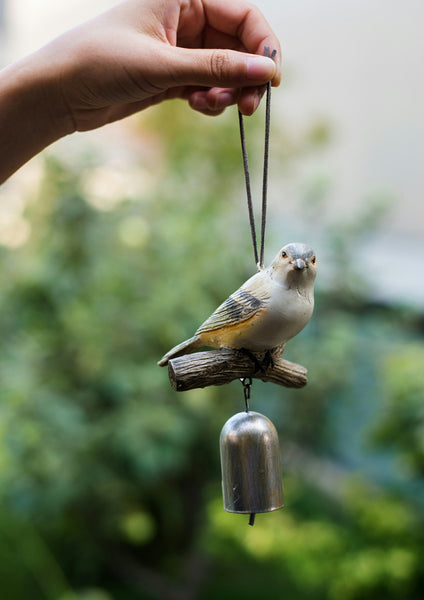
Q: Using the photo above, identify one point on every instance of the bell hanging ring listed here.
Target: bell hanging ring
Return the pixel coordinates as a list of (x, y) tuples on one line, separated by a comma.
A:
[(250, 464)]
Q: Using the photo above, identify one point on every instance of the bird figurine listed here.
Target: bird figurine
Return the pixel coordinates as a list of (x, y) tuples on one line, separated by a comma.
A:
[(265, 312)]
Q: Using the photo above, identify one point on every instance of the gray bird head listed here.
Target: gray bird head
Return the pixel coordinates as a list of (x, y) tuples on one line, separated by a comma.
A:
[(295, 265)]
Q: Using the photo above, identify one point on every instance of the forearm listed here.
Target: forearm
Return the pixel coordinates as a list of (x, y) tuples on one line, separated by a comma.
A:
[(32, 114)]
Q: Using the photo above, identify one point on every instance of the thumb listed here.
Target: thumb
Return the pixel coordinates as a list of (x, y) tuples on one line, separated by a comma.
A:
[(218, 68)]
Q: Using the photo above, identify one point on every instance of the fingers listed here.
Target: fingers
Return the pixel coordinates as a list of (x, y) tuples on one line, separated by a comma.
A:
[(216, 45), (245, 22), (214, 101), (249, 100), (214, 68)]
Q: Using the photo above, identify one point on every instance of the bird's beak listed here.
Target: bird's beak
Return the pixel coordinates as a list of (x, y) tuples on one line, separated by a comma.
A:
[(298, 264)]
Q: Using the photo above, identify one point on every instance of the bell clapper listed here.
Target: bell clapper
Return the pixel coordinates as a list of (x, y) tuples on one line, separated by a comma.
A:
[(252, 519)]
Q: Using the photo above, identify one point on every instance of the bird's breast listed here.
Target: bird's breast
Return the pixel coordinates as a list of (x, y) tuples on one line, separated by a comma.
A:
[(284, 316)]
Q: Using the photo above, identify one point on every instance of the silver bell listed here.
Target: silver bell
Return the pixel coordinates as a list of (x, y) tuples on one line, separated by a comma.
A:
[(250, 464)]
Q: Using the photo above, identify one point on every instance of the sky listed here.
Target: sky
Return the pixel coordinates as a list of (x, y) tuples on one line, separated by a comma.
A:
[(357, 64)]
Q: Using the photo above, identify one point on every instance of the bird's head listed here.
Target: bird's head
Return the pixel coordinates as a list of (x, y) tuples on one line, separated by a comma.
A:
[(294, 265)]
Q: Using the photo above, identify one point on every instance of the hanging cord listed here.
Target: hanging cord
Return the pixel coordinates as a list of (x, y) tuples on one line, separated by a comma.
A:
[(259, 258), (248, 188)]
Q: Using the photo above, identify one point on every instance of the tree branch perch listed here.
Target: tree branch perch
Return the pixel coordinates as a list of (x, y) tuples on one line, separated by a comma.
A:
[(218, 367)]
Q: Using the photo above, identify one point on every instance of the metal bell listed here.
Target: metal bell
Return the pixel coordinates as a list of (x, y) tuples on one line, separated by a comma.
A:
[(250, 464)]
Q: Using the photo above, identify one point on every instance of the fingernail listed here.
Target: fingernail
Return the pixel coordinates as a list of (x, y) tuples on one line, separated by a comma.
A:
[(223, 100), (256, 101), (260, 68), (198, 101), (250, 104)]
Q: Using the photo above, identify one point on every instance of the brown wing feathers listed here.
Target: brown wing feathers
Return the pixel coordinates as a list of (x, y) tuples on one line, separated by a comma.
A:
[(239, 307)]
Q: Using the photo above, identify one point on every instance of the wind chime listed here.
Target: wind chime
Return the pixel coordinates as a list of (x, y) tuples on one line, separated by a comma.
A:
[(249, 331)]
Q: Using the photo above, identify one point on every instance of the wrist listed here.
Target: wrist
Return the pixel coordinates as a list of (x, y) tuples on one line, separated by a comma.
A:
[(32, 113)]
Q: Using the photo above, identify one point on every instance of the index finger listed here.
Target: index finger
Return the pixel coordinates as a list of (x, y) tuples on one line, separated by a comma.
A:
[(246, 22)]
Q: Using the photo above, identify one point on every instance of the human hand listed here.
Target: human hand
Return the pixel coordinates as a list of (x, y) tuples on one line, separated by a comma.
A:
[(208, 52), (144, 51)]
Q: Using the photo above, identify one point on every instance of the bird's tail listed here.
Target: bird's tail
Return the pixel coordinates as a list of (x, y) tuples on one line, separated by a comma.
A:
[(183, 348)]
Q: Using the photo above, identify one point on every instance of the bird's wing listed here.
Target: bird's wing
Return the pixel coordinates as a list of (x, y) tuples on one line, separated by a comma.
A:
[(241, 305)]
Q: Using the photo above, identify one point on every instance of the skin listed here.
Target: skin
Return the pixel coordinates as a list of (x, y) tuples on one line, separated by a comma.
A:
[(207, 52)]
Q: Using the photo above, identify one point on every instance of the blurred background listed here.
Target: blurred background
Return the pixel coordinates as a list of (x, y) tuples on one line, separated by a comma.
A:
[(116, 244)]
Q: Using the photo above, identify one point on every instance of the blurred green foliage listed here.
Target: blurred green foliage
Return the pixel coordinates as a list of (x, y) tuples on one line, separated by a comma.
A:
[(110, 481)]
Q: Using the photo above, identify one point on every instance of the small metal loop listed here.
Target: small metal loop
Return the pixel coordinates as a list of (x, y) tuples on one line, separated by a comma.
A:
[(247, 384)]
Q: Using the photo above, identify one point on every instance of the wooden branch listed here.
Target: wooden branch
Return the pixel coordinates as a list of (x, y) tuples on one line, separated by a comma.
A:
[(218, 367)]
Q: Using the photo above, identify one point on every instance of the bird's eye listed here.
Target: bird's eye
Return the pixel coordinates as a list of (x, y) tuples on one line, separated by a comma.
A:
[(314, 260), (284, 254)]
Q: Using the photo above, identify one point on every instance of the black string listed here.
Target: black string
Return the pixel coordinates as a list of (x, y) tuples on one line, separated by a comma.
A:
[(266, 159), (248, 188), (259, 259)]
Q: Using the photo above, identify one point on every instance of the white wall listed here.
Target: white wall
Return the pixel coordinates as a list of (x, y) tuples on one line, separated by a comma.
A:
[(32, 23)]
